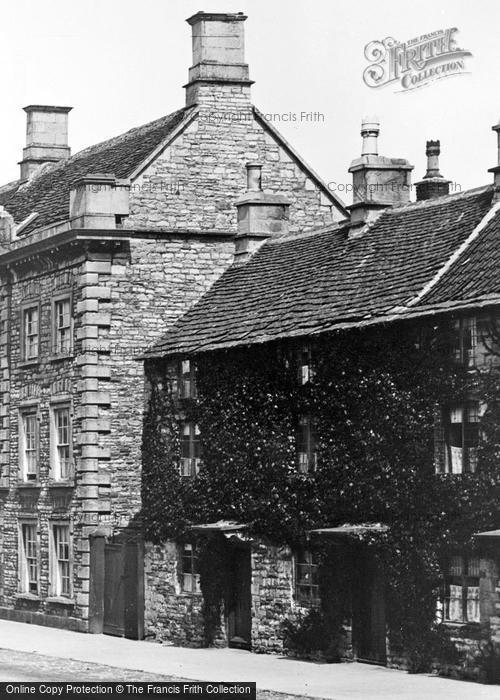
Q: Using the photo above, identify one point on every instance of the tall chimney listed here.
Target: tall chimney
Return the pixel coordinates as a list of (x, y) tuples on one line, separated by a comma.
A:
[(433, 183), (46, 137), (218, 54), (378, 182), (496, 170), (260, 215)]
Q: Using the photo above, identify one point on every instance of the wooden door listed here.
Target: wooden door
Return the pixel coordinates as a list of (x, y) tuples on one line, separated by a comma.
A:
[(114, 590), (369, 624), (240, 599)]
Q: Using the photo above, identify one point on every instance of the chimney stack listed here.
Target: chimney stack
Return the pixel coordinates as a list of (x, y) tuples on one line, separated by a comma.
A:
[(260, 215), (378, 182), (218, 54), (496, 170), (433, 183), (46, 137)]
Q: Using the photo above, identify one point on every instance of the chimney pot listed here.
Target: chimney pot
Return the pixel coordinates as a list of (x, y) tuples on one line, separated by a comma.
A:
[(433, 183), (370, 129), (254, 177)]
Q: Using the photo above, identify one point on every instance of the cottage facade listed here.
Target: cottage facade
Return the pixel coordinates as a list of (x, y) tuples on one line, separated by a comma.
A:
[(328, 477)]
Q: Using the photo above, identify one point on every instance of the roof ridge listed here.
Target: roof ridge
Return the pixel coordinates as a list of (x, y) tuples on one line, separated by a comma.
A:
[(443, 199)]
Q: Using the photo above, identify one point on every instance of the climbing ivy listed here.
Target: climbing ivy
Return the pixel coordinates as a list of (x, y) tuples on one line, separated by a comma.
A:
[(374, 397)]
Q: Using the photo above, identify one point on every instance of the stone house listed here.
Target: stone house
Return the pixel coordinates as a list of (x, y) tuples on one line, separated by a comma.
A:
[(99, 253), (280, 428)]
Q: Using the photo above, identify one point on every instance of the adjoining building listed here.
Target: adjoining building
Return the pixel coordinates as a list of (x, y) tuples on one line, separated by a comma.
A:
[(99, 253), (328, 482)]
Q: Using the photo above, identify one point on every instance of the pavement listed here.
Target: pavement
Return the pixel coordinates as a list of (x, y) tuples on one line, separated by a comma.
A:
[(347, 681)]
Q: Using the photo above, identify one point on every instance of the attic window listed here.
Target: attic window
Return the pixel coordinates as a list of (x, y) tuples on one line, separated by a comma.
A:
[(464, 341), (305, 368)]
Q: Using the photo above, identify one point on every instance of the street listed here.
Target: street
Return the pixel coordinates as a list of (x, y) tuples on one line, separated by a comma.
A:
[(34, 653)]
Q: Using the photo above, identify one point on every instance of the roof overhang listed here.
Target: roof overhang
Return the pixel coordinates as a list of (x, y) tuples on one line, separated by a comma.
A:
[(223, 526), (347, 531), (489, 536)]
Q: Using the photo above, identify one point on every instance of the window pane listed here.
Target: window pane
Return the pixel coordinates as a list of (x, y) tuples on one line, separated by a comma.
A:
[(455, 604), (473, 604)]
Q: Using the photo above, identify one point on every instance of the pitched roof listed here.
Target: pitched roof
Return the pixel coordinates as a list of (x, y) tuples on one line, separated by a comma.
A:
[(47, 193), (321, 280)]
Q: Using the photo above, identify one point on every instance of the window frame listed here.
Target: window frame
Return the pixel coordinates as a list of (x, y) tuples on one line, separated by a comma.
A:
[(56, 299), (186, 378), (465, 354), (189, 580), (25, 307), (24, 582), (55, 465), (305, 559), (189, 465), (468, 456), (465, 580), (24, 412), (55, 577), (306, 436), (306, 371)]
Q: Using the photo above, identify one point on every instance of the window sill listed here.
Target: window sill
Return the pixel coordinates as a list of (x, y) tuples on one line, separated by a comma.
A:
[(461, 625), (62, 356), (29, 485), (28, 363), (67, 484), (30, 597), (58, 600)]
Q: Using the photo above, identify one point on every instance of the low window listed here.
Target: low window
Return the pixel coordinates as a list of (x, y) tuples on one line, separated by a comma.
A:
[(61, 443), (28, 559), (61, 568), (461, 595), (306, 444), (465, 341), (305, 365), (62, 326), (28, 445), (190, 569), (30, 333), (306, 578), (190, 449), (461, 438), (186, 382)]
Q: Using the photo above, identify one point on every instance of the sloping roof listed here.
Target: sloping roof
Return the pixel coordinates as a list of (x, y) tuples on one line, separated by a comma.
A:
[(318, 281), (47, 193)]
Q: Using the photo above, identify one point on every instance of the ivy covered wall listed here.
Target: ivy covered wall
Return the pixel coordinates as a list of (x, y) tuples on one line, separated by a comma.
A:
[(375, 397)]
